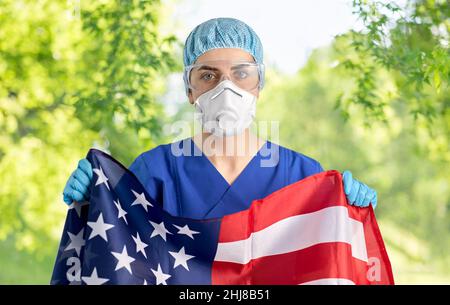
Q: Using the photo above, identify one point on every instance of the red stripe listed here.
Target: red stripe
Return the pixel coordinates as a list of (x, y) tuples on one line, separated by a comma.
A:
[(305, 196), (374, 241), (327, 260), (376, 248)]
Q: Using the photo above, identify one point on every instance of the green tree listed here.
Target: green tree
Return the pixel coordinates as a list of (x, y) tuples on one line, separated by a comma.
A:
[(73, 74), (412, 43)]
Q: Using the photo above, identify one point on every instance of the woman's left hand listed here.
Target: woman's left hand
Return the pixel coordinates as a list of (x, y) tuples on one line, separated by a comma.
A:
[(358, 193)]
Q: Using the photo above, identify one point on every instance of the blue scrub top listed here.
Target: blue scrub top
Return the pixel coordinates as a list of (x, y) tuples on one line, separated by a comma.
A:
[(188, 185)]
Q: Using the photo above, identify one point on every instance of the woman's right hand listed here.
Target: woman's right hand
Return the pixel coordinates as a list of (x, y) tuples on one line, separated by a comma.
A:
[(78, 186)]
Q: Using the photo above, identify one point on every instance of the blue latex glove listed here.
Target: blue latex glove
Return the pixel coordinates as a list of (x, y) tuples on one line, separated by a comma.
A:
[(78, 186), (358, 193)]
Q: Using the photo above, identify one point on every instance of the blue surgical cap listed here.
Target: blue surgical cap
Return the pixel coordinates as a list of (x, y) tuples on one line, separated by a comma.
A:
[(222, 33)]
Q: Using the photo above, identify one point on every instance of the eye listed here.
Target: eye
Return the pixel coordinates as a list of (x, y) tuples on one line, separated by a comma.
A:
[(207, 76), (241, 74)]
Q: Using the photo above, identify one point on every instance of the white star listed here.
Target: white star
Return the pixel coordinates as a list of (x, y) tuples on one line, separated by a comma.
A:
[(140, 199), (99, 227), (94, 279), (123, 260), (160, 276), (140, 245), (181, 258), (145, 282), (160, 229), (77, 206), (121, 212), (76, 241), (186, 231), (101, 177)]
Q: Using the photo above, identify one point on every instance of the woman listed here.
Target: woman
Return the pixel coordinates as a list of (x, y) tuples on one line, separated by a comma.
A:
[(223, 76)]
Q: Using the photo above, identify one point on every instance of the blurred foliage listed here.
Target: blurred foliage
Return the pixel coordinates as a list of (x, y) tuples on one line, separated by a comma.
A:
[(374, 102), (411, 42), (72, 75)]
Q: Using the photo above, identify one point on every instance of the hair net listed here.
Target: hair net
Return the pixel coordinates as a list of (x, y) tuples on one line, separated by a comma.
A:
[(222, 33)]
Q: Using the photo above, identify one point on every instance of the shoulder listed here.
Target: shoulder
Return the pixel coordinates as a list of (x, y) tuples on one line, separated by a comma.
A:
[(159, 159), (152, 161), (155, 154), (294, 159)]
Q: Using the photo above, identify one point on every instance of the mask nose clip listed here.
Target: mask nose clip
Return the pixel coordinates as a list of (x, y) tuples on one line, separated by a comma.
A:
[(223, 89)]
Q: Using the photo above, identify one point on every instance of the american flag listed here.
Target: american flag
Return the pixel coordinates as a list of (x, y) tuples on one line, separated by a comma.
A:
[(305, 233)]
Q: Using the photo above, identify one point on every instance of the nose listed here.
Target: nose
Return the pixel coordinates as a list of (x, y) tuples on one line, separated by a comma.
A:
[(224, 77)]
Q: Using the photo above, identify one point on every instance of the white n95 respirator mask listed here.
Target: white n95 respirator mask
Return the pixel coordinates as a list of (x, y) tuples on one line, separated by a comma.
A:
[(225, 110)]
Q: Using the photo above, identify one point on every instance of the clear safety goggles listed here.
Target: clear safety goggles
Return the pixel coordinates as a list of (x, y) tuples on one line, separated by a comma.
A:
[(207, 75)]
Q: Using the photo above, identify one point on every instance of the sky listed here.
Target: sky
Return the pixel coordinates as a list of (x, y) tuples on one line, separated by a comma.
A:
[(289, 29)]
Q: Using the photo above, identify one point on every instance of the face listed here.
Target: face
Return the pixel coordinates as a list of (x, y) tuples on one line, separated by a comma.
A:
[(226, 54)]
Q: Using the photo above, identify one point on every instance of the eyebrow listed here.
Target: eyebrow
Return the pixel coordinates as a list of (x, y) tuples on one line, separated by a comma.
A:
[(207, 68)]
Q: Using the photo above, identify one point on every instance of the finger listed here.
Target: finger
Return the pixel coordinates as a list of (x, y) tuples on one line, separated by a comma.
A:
[(354, 191), (68, 186), (369, 195), (82, 178), (348, 181), (86, 167), (67, 199), (361, 195), (374, 200), (77, 196), (77, 185)]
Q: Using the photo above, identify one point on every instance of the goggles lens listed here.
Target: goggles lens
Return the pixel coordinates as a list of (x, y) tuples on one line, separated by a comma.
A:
[(205, 76)]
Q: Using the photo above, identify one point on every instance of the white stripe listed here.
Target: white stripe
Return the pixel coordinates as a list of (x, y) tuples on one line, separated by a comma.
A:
[(295, 233), (330, 281)]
